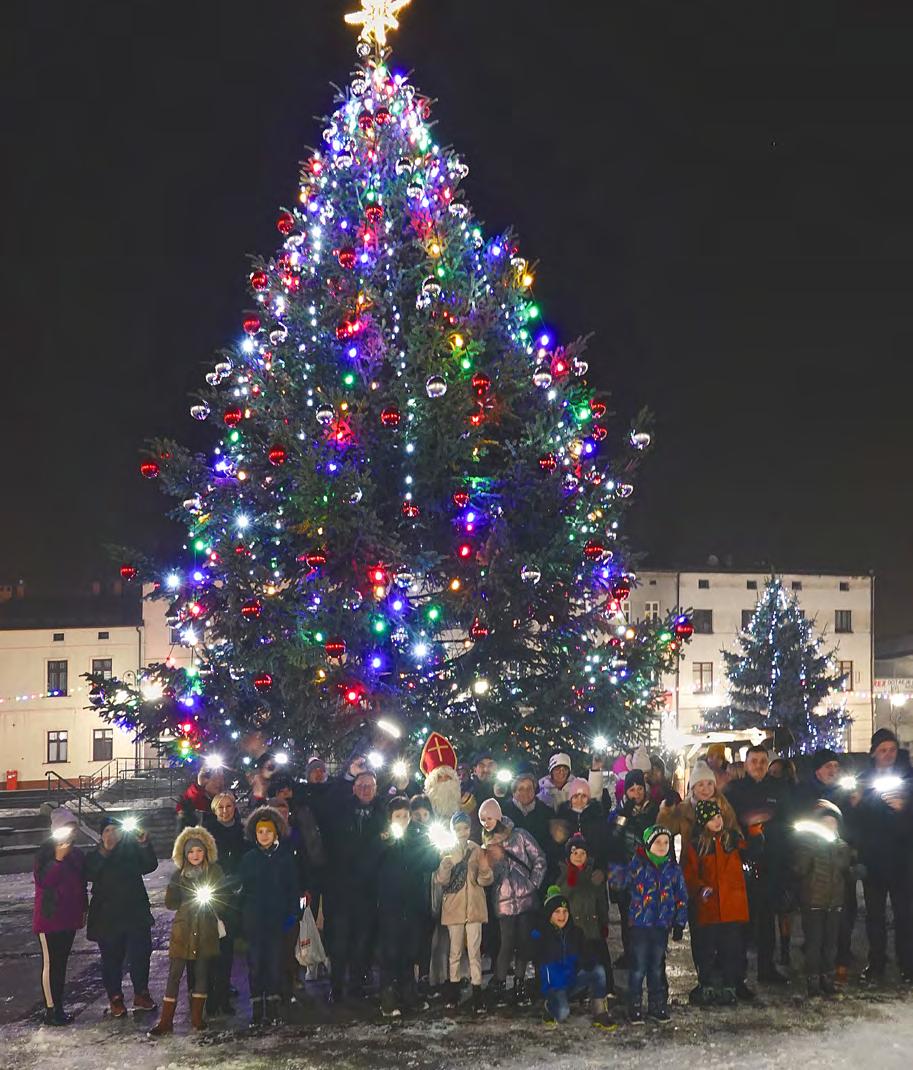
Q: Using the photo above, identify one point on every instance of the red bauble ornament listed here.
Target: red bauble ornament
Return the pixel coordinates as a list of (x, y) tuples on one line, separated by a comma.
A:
[(460, 499), (277, 455), (390, 416), (232, 417), (374, 214), (477, 418), (128, 572), (285, 224), (478, 630), (621, 589), (316, 559), (598, 409), (335, 648), (481, 384), (251, 324), (410, 510), (683, 628), (149, 469), (252, 609), (347, 258), (593, 550), (382, 116), (366, 120), (346, 329), (259, 280), (263, 682), (548, 462), (598, 432)]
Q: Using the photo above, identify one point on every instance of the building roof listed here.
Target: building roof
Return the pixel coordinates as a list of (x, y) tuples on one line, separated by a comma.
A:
[(78, 611), (754, 570)]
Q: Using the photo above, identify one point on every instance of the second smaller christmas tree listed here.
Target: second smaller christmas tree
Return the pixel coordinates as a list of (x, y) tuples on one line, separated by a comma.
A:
[(781, 677)]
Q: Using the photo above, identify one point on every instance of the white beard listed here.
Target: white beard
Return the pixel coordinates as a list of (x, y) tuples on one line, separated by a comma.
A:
[(442, 786)]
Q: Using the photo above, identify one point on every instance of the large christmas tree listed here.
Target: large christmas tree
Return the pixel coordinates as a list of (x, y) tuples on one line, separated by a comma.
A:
[(781, 677), (411, 508)]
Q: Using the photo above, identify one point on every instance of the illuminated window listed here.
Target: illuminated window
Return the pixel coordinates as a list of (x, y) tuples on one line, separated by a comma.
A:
[(702, 673), (57, 677), (57, 746)]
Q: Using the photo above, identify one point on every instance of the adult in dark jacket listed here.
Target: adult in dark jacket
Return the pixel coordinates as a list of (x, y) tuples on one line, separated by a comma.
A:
[(120, 920), (224, 823), (60, 908), (763, 806), (527, 812), (269, 908), (352, 839), (197, 799), (406, 862), (884, 826)]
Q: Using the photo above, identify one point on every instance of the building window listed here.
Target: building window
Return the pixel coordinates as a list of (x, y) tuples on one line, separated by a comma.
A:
[(57, 746), (703, 677), (102, 744), (846, 669), (747, 614), (751, 585), (58, 637), (651, 611), (797, 585), (702, 619), (102, 667), (57, 677), (703, 585), (104, 635), (176, 639), (652, 583), (843, 620), (844, 585)]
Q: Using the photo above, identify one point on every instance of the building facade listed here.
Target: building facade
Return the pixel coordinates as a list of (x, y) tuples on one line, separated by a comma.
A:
[(722, 602), (45, 725), (894, 687)]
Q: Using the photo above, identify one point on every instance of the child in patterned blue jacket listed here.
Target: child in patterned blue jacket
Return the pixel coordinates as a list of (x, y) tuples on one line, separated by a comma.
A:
[(659, 902)]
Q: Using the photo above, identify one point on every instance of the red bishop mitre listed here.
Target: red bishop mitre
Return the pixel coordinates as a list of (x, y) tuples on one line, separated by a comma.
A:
[(437, 751)]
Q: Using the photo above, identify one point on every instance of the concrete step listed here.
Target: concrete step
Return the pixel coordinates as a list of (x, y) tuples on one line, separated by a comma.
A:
[(22, 799)]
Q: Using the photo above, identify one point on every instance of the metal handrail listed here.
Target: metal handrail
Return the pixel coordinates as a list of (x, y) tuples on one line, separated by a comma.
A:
[(77, 793)]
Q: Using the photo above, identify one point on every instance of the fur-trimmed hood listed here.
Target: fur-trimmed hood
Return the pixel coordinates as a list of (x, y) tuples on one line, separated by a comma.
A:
[(265, 813), (194, 832)]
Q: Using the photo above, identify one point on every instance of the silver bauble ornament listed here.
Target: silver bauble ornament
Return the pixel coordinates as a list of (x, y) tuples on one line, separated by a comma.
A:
[(325, 414), (542, 376), (199, 412), (530, 574), (640, 440), (435, 386)]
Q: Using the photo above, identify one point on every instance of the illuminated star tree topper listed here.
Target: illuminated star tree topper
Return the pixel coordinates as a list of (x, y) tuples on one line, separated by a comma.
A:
[(376, 18)]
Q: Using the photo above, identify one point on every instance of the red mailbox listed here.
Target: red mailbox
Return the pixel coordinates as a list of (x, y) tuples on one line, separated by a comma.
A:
[(12, 779)]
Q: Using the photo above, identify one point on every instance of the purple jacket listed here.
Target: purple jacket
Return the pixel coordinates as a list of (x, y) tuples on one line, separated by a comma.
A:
[(515, 889), (60, 891)]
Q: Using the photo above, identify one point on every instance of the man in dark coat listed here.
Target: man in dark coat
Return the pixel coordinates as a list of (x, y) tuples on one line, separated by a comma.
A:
[(352, 840), (120, 920), (763, 806), (528, 812), (884, 822)]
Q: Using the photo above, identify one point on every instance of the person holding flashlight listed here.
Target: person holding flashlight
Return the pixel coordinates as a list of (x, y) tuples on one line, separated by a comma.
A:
[(120, 920), (885, 840), (60, 908)]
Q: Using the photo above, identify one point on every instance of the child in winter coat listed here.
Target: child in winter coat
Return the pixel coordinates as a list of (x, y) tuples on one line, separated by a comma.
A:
[(712, 864), (464, 873), (518, 864), (658, 903), (584, 887), (567, 964), (194, 893), (60, 908), (822, 862), (627, 824), (269, 909)]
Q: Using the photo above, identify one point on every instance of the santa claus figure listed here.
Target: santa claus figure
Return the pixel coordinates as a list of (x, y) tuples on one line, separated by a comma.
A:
[(442, 782)]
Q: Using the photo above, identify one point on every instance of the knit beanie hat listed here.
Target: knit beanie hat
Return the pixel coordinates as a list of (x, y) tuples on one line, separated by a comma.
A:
[(559, 759), (62, 816), (706, 810), (576, 785), (634, 776), (823, 756), (108, 819), (554, 899), (883, 735), (459, 818), (640, 759), (701, 771), (651, 835), (575, 843), (193, 841), (490, 808)]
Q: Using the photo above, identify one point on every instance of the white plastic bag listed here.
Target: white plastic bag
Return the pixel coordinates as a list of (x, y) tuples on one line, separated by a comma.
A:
[(309, 951)]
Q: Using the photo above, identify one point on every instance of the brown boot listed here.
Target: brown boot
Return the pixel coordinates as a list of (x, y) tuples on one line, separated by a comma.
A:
[(165, 1024), (197, 1006)]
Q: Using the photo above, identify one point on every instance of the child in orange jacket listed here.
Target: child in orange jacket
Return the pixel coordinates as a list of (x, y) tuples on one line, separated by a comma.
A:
[(712, 864)]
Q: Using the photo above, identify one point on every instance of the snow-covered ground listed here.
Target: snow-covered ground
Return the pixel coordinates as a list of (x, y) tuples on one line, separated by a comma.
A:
[(863, 1027)]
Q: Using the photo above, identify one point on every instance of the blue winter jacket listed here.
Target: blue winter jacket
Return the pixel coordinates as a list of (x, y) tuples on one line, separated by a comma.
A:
[(659, 898)]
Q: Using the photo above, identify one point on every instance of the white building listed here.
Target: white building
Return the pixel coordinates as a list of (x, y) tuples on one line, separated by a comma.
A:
[(721, 603), (894, 687), (44, 650)]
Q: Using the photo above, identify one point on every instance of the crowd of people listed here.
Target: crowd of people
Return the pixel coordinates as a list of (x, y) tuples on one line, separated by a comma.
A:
[(426, 881)]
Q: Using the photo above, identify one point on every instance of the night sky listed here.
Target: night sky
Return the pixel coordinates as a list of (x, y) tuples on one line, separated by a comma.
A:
[(721, 191)]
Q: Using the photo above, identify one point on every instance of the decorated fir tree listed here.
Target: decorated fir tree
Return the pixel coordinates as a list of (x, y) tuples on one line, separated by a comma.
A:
[(411, 507), (781, 677)]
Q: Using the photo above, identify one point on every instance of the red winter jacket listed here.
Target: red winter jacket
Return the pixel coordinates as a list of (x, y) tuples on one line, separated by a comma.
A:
[(720, 869)]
